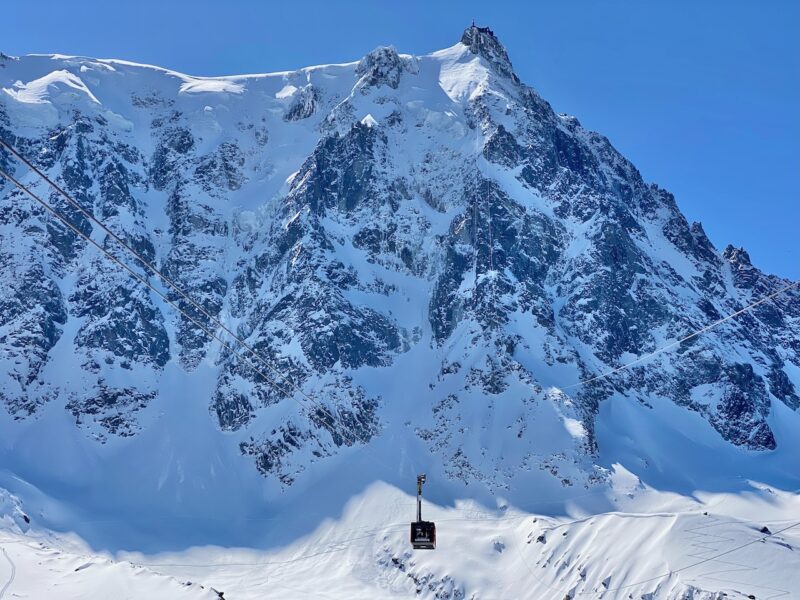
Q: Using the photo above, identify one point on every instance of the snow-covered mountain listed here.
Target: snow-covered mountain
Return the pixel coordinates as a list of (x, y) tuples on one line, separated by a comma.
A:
[(420, 245)]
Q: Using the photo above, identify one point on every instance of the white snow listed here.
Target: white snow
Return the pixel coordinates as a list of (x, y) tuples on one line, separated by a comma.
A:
[(286, 92), (56, 85), (463, 75), (369, 121), (211, 86), (671, 549)]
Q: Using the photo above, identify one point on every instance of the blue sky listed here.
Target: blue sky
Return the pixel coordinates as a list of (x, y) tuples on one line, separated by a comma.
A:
[(702, 96)]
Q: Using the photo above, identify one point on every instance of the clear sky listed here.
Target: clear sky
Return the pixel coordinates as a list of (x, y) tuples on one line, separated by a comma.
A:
[(703, 96)]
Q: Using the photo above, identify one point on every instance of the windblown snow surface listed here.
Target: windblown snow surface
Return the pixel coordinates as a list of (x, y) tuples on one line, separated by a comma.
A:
[(424, 247)]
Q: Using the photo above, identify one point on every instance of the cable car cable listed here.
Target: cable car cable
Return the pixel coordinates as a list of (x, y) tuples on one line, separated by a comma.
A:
[(143, 281), (684, 339), (149, 266), (286, 433)]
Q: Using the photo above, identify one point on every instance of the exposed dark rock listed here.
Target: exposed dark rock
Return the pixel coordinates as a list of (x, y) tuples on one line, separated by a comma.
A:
[(304, 104), (383, 66), (111, 408)]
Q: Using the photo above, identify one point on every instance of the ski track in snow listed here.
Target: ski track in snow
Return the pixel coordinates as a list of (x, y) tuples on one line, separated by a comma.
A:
[(707, 543), (11, 576)]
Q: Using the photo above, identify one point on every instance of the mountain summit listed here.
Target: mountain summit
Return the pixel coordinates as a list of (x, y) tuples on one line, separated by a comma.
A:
[(483, 42), (427, 260)]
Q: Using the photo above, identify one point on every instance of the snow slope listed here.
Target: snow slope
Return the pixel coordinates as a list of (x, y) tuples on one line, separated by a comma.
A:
[(676, 548)]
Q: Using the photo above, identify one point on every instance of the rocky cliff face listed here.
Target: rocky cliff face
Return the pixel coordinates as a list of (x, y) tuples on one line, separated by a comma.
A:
[(401, 223)]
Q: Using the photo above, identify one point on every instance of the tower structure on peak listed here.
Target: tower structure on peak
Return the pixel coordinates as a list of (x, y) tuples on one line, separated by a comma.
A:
[(483, 42)]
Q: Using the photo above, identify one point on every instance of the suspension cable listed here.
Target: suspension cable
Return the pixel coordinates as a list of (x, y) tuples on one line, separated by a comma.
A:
[(163, 296), (684, 339), (149, 266)]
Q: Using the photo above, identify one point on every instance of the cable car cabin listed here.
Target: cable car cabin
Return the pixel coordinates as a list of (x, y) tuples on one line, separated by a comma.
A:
[(423, 533)]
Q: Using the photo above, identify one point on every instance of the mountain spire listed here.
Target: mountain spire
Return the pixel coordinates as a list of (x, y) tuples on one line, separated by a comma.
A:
[(737, 256), (483, 42)]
